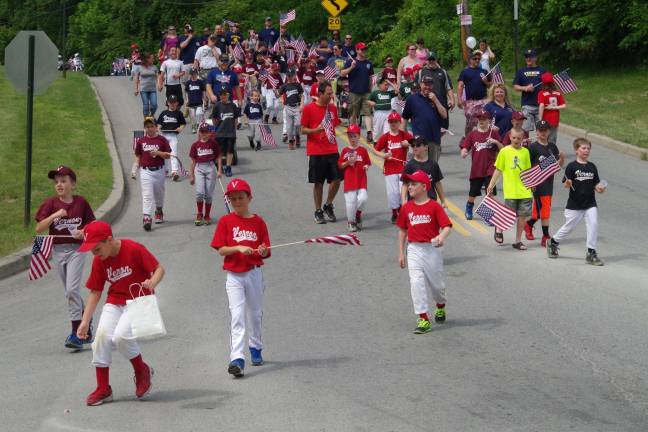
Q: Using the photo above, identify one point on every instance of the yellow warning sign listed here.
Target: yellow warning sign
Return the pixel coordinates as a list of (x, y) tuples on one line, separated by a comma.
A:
[(334, 23), (334, 7)]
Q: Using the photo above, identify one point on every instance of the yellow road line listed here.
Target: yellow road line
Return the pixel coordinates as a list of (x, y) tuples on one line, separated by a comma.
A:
[(456, 210)]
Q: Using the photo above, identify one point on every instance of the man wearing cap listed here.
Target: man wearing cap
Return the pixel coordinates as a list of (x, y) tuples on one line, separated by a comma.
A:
[(171, 73), (223, 78), (268, 34), (527, 82), (441, 84), (426, 113), (475, 81), (359, 72), (206, 58)]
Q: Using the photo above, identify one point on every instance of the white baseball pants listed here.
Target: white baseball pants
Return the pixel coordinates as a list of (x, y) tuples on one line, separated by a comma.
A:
[(573, 218), (355, 200), (173, 142), (393, 186), (253, 129), (196, 115), (69, 263), (380, 125), (291, 121), (425, 264), (113, 331), (152, 185), (205, 173), (272, 103), (245, 296), (307, 96)]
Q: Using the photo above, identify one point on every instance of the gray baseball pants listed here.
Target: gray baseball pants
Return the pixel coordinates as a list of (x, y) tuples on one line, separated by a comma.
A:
[(69, 263), (205, 174)]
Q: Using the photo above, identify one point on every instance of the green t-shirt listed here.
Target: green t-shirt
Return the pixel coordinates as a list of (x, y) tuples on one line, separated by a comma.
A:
[(512, 162), (382, 99), (406, 90)]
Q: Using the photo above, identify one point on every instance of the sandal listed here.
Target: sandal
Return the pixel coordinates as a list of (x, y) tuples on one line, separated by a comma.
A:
[(519, 246), (499, 237)]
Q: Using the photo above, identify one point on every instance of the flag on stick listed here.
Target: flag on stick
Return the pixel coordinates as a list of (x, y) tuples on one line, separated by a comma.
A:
[(182, 171), (238, 51), (39, 263), (299, 44), (498, 78), (331, 72), (277, 46), (266, 136), (225, 197), (327, 125), (496, 214), (285, 18), (541, 172), (313, 51), (229, 23), (342, 239), (290, 55), (374, 80), (565, 83)]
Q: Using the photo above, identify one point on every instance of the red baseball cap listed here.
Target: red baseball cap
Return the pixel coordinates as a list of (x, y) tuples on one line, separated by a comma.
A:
[(484, 115), (353, 129), (93, 233), (518, 115), (238, 184), (360, 45), (417, 177), (62, 170), (546, 78), (394, 116)]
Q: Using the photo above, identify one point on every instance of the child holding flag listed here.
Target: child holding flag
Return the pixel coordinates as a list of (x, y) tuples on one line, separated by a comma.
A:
[(254, 113), (550, 102), (424, 226), (354, 161), (241, 237), (205, 157)]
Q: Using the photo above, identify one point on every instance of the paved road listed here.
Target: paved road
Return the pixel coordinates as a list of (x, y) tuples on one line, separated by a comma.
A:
[(530, 344)]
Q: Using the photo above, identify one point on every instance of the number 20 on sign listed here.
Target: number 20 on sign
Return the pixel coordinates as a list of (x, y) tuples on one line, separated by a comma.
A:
[(334, 23)]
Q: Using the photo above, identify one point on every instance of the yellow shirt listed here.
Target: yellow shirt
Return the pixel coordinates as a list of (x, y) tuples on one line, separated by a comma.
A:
[(511, 162)]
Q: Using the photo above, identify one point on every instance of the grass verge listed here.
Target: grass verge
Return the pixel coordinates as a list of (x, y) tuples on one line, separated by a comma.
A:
[(68, 131)]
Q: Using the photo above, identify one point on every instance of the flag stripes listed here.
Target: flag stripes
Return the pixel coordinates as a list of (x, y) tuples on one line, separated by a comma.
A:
[(285, 18), (39, 264), (266, 136), (565, 83), (496, 214), (541, 172), (342, 239)]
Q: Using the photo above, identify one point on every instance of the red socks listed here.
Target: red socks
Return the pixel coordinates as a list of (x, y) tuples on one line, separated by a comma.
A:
[(199, 207), (424, 316), (102, 377), (138, 363), (207, 209), (440, 306)]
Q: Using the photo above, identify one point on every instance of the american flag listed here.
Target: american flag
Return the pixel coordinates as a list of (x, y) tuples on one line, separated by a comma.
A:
[(299, 44), (229, 23), (374, 80), (277, 46), (342, 239), (400, 104), (238, 51), (496, 214), (183, 171), (541, 172), (263, 75), (331, 72), (136, 136), (564, 81), (285, 18), (266, 136), (313, 51), (41, 250), (498, 78), (290, 55), (274, 82), (327, 125)]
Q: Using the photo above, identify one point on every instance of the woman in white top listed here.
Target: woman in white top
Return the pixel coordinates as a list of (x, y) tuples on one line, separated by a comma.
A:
[(487, 55), (409, 61)]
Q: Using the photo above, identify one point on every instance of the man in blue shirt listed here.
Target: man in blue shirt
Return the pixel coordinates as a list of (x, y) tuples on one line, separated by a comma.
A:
[(527, 81), (223, 78), (189, 44), (426, 113), (359, 72), (268, 34), (347, 48), (475, 81)]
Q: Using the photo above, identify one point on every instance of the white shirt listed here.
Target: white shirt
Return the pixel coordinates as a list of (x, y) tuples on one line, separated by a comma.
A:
[(171, 67), (205, 57)]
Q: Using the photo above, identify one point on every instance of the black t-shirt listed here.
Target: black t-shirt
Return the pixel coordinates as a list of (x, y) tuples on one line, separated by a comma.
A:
[(224, 116), (293, 93), (584, 177), (538, 153), (170, 120), (221, 42), (195, 91), (431, 168)]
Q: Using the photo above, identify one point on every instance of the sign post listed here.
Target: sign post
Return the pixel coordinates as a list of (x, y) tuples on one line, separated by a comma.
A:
[(30, 128)]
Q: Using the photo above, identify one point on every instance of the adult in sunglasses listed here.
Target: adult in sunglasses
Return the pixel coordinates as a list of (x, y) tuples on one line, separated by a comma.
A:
[(409, 61), (348, 49), (475, 81)]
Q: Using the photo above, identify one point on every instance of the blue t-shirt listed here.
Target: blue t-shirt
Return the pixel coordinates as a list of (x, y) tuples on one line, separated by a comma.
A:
[(424, 116), (188, 53), (219, 79), (348, 51), (475, 87), (526, 76), (501, 115), (195, 91), (253, 111), (359, 81), (269, 36)]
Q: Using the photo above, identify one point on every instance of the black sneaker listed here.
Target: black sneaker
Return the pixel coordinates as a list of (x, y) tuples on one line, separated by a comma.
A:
[(251, 142), (370, 137), (328, 211), (147, 223), (593, 259), (552, 248), (258, 146), (285, 138), (319, 217)]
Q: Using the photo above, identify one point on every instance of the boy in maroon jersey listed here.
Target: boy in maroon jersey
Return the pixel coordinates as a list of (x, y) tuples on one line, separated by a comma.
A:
[(206, 166)]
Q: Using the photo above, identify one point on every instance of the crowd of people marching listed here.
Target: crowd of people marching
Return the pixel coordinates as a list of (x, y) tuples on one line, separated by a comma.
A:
[(222, 80)]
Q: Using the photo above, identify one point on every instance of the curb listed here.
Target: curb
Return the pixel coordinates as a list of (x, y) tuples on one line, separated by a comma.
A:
[(612, 144), (108, 211)]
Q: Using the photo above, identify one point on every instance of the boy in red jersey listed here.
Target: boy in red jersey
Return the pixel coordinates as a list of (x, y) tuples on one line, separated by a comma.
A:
[(424, 226), (354, 161), (242, 238), (392, 146), (123, 264), (550, 102), (517, 120)]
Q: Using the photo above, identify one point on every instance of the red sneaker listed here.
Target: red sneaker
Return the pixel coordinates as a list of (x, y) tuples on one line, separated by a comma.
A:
[(99, 396), (528, 232), (143, 382), (544, 241)]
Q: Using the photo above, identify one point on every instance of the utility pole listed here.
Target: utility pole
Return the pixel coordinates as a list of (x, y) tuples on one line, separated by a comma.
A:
[(465, 32), (64, 43), (516, 44)]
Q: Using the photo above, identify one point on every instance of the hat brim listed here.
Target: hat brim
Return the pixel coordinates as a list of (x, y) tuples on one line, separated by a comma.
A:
[(407, 178), (87, 246), (52, 175)]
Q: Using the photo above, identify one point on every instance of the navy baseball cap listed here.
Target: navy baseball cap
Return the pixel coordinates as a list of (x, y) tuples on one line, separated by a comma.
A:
[(172, 98), (542, 124), (530, 53)]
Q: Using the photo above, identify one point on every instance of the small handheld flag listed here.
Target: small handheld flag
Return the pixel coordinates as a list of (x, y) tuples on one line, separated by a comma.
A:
[(285, 18), (341, 240), (39, 264), (565, 83), (496, 214), (498, 78), (541, 172), (225, 197), (327, 125), (238, 52), (331, 72), (182, 171), (266, 136)]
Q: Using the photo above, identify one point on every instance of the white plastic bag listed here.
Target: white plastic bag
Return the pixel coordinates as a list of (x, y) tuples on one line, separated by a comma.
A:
[(145, 318)]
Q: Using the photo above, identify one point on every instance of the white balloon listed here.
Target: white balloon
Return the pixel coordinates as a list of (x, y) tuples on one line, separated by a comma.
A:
[(471, 42)]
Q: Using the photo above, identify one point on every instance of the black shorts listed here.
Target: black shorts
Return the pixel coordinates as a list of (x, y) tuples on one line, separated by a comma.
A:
[(226, 145), (476, 186), (323, 167)]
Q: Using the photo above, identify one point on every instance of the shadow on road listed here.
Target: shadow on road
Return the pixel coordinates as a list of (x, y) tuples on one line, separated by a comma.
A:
[(276, 365)]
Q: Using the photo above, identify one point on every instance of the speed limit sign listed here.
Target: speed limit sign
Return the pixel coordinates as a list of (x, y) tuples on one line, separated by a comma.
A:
[(334, 23)]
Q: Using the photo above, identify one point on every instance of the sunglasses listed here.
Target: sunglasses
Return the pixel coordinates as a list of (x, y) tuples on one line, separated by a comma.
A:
[(348, 38), (415, 145), (411, 49)]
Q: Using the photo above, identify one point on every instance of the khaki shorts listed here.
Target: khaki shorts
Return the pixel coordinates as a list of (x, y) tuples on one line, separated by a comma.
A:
[(522, 207), (359, 104)]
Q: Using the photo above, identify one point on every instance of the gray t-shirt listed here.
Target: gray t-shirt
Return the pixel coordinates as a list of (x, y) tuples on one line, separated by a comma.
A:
[(170, 68), (148, 77)]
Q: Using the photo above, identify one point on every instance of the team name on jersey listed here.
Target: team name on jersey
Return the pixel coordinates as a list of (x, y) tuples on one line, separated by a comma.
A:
[(583, 175), (419, 219), (290, 93), (118, 273), (394, 145), (239, 235), (483, 146), (254, 110), (194, 87), (168, 119), (69, 224), (205, 151), (383, 96), (225, 116), (150, 147), (353, 153)]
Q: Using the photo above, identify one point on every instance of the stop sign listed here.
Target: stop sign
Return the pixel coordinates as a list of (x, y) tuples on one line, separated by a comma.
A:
[(45, 61)]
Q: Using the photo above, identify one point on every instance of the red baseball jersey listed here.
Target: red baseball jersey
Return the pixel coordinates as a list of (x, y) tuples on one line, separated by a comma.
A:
[(133, 264), (355, 176), (551, 98), (79, 214), (307, 76), (234, 230), (204, 151), (276, 76), (483, 153), (507, 139), (389, 74), (146, 145), (422, 221), (318, 143), (397, 145), (250, 68)]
